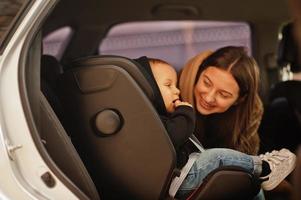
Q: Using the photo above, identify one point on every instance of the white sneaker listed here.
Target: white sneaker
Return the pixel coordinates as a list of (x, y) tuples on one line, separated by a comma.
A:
[(282, 163)]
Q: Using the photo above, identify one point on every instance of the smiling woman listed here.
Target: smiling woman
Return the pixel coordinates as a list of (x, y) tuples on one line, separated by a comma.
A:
[(215, 91), (223, 86)]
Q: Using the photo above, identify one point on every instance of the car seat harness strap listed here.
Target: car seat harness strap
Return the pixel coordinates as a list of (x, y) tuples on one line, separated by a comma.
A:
[(177, 181)]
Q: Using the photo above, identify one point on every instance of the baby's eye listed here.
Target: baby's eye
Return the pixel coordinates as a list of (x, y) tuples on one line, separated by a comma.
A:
[(168, 84)]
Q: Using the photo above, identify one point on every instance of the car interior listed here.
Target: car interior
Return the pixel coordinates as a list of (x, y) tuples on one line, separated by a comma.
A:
[(93, 121)]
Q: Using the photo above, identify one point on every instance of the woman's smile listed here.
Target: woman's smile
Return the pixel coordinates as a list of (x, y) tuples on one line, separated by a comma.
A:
[(215, 91), (205, 104)]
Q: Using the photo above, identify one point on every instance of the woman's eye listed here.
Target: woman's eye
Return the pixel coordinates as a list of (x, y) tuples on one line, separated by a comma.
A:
[(206, 83), (224, 95)]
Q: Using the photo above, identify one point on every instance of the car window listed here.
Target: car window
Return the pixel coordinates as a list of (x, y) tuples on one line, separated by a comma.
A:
[(8, 12), (174, 41), (56, 42)]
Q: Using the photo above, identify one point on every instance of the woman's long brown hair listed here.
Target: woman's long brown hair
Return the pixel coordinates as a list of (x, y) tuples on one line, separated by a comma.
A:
[(239, 124)]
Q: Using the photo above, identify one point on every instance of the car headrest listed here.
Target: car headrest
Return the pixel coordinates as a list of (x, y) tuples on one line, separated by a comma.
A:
[(287, 50), (128, 64)]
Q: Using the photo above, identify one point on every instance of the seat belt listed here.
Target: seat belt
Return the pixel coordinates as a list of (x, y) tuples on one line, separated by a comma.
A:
[(177, 181), (197, 143)]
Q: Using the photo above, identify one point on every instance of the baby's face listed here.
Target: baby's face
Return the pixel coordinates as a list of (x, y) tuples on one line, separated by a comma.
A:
[(166, 78)]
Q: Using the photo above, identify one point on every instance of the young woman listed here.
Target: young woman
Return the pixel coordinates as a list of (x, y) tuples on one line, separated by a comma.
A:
[(223, 88)]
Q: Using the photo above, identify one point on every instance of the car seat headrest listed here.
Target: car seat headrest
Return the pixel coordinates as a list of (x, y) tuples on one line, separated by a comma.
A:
[(288, 51), (129, 65)]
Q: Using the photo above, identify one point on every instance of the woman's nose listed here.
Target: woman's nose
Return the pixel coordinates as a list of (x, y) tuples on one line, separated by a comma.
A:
[(210, 97)]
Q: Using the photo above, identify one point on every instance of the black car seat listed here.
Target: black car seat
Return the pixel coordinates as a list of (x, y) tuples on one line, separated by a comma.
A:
[(51, 69), (283, 114), (288, 49), (288, 56), (119, 134), (53, 135), (63, 153), (122, 140)]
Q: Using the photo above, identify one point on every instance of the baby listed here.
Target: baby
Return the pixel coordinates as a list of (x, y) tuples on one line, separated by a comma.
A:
[(179, 118)]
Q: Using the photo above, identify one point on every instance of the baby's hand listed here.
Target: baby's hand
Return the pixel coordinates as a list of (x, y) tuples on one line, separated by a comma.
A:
[(182, 103)]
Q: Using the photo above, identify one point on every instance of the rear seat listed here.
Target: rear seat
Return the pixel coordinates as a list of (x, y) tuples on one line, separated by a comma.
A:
[(130, 156), (50, 71), (54, 137)]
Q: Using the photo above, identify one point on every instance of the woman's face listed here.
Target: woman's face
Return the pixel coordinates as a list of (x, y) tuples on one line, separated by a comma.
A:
[(215, 91)]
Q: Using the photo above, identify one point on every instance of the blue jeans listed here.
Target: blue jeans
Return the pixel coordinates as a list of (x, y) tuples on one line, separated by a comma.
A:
[(212, 159)]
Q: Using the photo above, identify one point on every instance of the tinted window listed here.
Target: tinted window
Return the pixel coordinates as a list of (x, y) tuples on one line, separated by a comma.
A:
[(56, 42), (172, 41)]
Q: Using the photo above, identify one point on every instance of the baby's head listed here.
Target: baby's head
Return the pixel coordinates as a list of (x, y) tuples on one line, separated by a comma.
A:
[(166, 78)]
